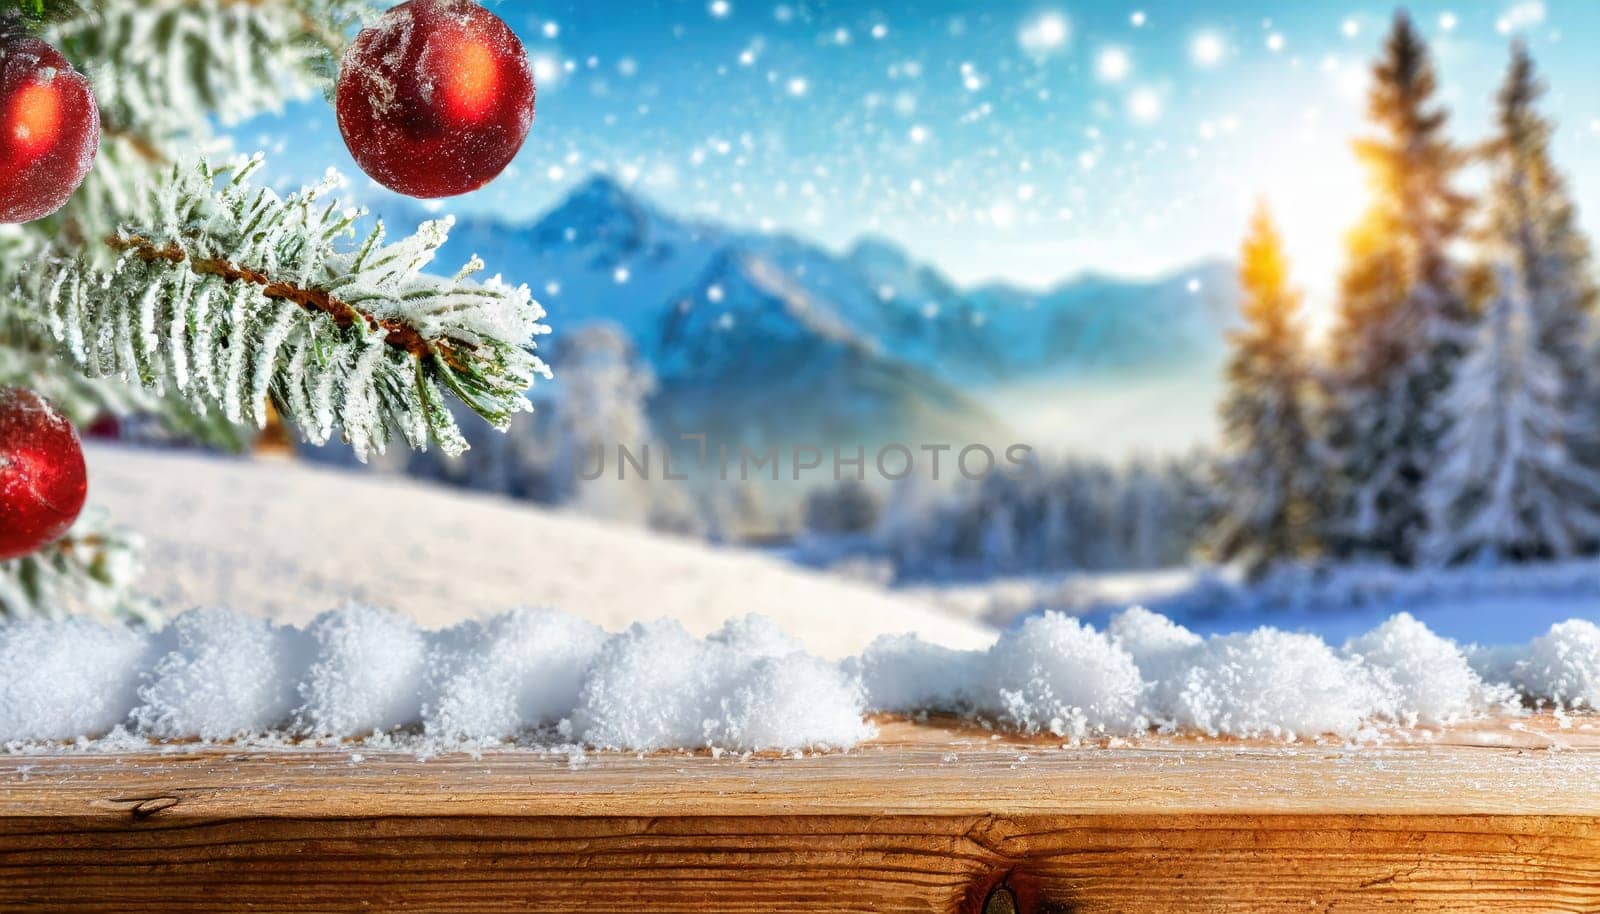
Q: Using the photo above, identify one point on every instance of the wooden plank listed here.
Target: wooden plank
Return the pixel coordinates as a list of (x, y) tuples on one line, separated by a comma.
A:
[(926, 818)]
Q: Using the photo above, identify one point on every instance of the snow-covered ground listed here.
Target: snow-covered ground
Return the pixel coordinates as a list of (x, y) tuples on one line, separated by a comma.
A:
[(1485, 605), (287, 541)]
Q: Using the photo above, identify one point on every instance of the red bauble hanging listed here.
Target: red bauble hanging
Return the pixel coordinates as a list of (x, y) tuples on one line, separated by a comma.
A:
[(436, 98), (49, 130), (43, 480)]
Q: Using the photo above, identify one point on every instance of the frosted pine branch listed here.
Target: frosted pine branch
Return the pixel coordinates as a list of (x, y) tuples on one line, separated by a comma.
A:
[(27, 361), (91, 570), (165, 70), (227, 59), (235, 296), (162, 66), (30, 358)]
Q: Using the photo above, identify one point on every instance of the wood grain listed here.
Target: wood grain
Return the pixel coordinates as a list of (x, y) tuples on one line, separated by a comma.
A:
[(931, 817)]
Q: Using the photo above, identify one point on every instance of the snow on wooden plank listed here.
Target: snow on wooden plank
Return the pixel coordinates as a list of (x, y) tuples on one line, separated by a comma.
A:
[(927, 817)]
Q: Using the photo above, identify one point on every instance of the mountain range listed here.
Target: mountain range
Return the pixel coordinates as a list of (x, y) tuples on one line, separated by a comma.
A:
[(770, 338)]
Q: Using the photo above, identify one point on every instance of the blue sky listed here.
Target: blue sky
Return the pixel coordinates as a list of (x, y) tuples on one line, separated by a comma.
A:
[(1027, 141)]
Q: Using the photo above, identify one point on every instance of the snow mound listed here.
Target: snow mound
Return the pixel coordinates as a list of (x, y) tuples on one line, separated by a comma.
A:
[(646, 690), (368, 673), (541, 678), (1268, 683), (1054, 673), (746, 687), (793, 702), (1152, 639), (907, 674), (538, 676), (221, 675), (64, 679), (1428, 678), (1563, 665), (515, 672)]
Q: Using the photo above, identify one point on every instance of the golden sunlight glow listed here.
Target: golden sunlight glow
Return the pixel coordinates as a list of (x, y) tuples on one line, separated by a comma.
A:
[(1317, 195)]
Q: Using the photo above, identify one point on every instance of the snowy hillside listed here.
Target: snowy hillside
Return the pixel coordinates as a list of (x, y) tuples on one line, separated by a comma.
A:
[(886, 341), (266, 538), (1486, 605)]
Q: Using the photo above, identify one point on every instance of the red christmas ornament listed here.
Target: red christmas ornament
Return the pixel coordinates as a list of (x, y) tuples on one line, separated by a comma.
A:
[(43, 480), (436, 98), (49, 130)]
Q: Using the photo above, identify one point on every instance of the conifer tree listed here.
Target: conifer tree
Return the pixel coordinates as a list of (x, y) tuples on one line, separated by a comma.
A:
[(1510, 484), (1265, 480), (1504, 484), (600, 404), (1404, 321), (1533, 227)]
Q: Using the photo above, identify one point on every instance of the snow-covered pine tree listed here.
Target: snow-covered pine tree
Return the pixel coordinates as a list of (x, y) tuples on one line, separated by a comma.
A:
[(1404, 321), (1533, 228), (1533, 218), (1266, 479), (1505, 482), (845, 508), (600, 404), (172, 289), (1509, 485)]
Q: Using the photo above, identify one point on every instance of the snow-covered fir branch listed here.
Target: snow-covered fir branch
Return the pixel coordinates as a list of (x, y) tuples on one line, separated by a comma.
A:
[(162, 67), (224, 60), (90, 570), (30, 358), (236, 297), (164, 71)]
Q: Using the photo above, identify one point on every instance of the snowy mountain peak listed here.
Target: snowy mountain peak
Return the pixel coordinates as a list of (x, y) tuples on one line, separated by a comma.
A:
[(741, 308), (601, 193), (873, 252), (735, 321), (748, 353), (601, 215)]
